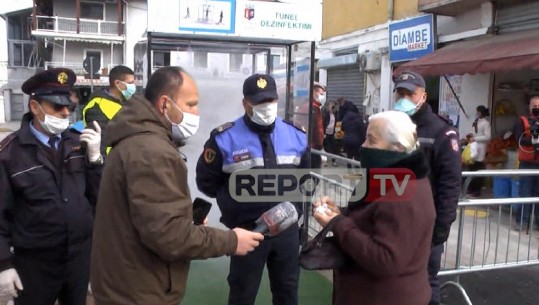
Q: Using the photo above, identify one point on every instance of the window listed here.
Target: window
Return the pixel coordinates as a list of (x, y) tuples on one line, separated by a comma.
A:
[(275, 61), (19, 28), (92, 10), (161, 59), (96, 55), (20, 53), (201, 59), (235, 61)]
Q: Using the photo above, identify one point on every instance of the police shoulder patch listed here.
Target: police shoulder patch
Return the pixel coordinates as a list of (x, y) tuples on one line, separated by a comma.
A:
[(297, 126), (455, 144), (209, 155), (5, 142), (222, 128)]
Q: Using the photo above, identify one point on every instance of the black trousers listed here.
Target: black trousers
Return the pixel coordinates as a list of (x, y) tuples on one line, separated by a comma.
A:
[(281, 255), (435, 260), (477, 182), (54, 274), (331, 146), (352, 152)]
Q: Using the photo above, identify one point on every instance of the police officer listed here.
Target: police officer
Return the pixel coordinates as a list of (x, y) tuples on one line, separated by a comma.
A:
[(49, 178), (258, 139), (440, 142)]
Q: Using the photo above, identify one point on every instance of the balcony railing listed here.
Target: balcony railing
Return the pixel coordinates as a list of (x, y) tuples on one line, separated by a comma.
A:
[(57, 24), (77, 67)]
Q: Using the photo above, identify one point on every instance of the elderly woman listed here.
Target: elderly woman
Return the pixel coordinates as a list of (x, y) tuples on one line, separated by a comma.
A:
[(386, 241)]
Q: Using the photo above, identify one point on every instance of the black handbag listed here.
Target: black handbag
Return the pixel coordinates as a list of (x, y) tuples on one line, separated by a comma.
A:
[(321, 252)]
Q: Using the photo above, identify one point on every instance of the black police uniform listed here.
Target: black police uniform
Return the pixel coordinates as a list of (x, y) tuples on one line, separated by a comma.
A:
[(440, 142), (279, 252), (46, 199)]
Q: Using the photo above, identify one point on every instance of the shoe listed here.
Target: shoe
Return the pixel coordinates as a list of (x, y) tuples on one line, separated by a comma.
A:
[(520, 228)]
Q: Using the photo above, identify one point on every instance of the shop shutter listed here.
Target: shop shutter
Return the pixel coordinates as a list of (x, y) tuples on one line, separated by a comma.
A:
[(347, 82), (518, 18)]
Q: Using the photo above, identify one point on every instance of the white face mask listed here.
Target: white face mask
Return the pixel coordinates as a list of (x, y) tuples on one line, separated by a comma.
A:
[(264, 114), (52, 124), (187, 127), (322, 99)]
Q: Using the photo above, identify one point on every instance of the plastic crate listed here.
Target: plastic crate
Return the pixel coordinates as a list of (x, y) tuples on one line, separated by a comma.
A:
[(515, 188), (501, 187)]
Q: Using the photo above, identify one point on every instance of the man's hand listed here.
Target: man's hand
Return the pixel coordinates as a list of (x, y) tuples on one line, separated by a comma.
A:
[(247, 241), (93, 141), (10, 282)]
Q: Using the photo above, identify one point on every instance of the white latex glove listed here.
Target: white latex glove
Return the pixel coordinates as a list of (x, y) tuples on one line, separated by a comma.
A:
[(93, 141), (10, 282)]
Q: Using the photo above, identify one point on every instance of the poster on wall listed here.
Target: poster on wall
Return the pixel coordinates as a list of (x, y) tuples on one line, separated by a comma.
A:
[(215, 16), (296, 20), (448, 103)]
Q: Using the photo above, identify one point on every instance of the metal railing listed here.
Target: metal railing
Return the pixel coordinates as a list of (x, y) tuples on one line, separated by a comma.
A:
[(77, 67), (485, 235), (86, 26)]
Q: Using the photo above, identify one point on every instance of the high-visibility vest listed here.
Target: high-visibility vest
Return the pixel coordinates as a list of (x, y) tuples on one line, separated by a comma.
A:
[(108, 107)]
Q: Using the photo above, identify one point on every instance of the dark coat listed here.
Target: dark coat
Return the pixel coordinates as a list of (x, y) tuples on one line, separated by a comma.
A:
[(144, 235), (440, 143), (353, 126), (44, 204), (387, 245)]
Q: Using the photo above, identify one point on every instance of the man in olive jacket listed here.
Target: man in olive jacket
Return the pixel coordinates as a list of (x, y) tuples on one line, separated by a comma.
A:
[(144, 234)]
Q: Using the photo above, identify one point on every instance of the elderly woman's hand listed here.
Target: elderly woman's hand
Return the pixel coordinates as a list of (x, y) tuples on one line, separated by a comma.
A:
[(325, 210)]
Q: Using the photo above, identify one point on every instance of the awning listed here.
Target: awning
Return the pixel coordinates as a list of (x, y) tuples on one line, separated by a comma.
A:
[(490, 54)]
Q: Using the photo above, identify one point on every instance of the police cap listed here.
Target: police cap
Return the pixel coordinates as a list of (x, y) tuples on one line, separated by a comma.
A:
[(52, 85), (259, 88), (409, 81)]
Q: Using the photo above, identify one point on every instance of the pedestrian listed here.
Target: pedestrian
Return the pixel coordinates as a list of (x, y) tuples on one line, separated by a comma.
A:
[(48, 185), (144, 236), (527, 133), (257, 140), (317, 137), (329, 115), (481, 136), (386, 241), (440, 143), (354, 131), (105, 104)]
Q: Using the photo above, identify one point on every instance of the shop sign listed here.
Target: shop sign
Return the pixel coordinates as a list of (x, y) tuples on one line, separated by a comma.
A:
[(411, 39)]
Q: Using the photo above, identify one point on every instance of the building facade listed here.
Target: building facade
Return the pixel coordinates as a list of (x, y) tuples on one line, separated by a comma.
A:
[(357, 55), (90, 37)]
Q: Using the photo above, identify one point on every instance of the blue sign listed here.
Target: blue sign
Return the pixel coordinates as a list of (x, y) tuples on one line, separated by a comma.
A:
[(411, 39)]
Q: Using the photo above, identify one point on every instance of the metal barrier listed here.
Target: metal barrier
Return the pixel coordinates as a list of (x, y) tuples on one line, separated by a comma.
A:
[(485, 235)]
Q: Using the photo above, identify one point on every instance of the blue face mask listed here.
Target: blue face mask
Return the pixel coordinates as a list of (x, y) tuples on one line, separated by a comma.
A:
[(405, 105), (130, 89)]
